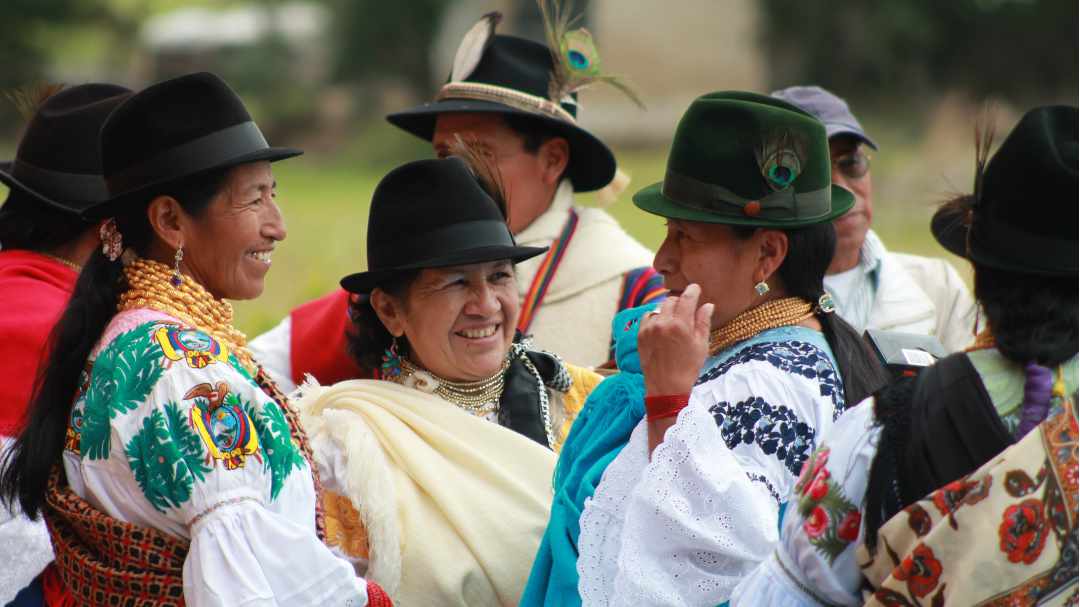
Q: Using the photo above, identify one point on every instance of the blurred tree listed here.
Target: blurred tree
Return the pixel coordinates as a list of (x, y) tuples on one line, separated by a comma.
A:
[(378, 40), (1025, 50), (23, 54)]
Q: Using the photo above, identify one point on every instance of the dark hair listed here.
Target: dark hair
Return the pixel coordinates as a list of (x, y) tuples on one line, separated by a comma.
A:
[(810, 250), (367, 338), (25, 470), (534, 133), (28, 223), (1032, 318)]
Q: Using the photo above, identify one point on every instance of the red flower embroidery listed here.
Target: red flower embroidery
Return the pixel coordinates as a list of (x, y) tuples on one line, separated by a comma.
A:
[(849, 527), (918, 520), (817, 523), (811, 468), (820, 487), (920, 570), (1023, 531)]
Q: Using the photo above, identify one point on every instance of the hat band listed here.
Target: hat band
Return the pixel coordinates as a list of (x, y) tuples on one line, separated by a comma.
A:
[(506, 96), (428, 247), (710, 197), (63, 186), (196, 155)]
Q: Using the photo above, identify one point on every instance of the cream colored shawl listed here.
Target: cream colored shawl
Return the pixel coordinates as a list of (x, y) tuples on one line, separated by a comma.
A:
[(453, 506)]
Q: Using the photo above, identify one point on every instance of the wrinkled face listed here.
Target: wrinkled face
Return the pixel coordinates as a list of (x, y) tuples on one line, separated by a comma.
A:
[(528, 177), (227, 248), (459, 321), (849, 159), (710, 255)]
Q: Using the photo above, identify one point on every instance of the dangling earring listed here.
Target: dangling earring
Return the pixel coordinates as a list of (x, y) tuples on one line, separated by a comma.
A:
[(761, 288), (176, 279), (391, 361)]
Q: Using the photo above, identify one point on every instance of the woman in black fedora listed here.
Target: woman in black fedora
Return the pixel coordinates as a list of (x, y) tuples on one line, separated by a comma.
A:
[(55, 174), (439, 472), (961, 485), (177, 471)]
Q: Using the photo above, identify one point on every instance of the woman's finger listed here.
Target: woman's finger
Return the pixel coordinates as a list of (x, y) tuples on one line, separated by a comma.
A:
[(687, 304)]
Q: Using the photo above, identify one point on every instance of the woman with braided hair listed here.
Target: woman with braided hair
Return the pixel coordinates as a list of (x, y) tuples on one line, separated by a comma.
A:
[(168, 468), (960, 486)]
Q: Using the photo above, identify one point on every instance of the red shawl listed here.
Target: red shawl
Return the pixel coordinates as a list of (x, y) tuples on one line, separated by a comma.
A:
[(34, 290)]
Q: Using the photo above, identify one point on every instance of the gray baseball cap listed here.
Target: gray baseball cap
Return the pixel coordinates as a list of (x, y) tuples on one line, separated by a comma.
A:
[(828, 108)]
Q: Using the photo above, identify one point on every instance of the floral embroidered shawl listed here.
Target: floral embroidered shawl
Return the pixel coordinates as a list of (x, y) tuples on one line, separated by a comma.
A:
[(1004, 535)]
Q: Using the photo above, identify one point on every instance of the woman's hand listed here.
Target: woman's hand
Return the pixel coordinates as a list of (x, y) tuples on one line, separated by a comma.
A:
[(673, 343)]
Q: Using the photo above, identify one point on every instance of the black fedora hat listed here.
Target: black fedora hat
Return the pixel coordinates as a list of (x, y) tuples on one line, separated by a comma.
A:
[(412, 226), (58, 161), (1024, 215), (513, 77), (174, 130)]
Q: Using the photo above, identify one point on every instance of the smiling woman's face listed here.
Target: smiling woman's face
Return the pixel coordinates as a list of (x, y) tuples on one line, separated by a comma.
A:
[(459, 321), (227, 248)]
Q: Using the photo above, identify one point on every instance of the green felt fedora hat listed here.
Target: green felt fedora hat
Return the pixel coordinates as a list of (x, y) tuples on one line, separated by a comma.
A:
[(747, 159)]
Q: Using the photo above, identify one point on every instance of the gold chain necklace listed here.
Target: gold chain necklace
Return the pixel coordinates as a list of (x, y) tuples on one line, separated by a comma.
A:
[(782, 312), (476, 397), (149, 286)]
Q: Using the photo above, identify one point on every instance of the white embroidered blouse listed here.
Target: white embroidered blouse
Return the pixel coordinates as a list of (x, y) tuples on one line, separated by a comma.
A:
[(685, 527), (168, 431)]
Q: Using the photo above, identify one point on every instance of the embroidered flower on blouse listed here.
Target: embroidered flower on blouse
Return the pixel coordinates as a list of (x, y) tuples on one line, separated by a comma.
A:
[(794, 357), (775, 429)]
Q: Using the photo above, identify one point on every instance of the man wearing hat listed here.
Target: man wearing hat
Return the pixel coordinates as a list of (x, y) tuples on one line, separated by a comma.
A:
[(56, 174), (516, 99), (874, 288)]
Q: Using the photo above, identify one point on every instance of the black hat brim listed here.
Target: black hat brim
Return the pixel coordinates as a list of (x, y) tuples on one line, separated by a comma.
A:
[(592, 164), (8, 178), (111, 206), (363, 282)]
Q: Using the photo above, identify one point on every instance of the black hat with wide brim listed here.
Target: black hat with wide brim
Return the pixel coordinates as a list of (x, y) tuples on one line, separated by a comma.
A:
[(176, 130), (1025, 216), (512, 78), (433, 214), (58, 161)]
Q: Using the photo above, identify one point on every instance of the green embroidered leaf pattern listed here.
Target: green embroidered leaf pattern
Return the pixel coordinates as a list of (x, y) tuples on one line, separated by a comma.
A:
[(124, 373), (166, 457), (190, 445), (280, 453)]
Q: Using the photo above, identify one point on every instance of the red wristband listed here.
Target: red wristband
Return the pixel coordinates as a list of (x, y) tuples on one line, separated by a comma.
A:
[(665, 405)]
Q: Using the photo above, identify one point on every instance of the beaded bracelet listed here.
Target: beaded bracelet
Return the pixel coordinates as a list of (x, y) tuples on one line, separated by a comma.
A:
[(665, 405)]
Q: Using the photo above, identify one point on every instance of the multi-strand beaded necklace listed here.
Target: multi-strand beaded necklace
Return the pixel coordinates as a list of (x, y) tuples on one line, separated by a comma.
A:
[(783, 312), (479, 398), (152, 285)]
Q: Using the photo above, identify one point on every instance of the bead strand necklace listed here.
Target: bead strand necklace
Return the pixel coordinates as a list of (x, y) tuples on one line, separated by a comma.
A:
[(782, 312), (478, 397), (150, 286)]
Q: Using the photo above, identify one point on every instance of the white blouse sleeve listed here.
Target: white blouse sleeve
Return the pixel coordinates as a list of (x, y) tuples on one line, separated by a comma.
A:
[(176, 436), (688, 525), (814, 563)]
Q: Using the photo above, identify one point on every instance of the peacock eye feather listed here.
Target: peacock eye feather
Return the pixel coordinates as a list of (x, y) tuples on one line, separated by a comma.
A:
[(577, 60), (779, 159)]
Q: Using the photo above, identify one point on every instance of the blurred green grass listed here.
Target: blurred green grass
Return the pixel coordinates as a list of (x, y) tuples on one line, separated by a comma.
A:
[(325, 197)]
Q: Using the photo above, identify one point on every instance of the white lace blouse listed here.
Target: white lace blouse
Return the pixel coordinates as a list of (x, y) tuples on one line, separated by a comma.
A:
[(685, 527), (169, 432)]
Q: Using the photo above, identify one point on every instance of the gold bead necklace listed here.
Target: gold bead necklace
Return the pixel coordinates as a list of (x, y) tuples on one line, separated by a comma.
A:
[(149, 286), (476, 397), (782, 312), (61, 260)]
